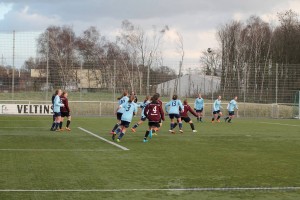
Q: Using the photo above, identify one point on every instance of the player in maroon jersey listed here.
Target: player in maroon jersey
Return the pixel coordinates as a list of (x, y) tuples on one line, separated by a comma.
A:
[(185, 117), (155, 114), (65, 111)]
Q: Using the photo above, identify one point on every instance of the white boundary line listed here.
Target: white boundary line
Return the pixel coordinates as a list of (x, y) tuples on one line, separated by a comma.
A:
[(59, 150), (105, 140), (279, 124), (167, 189)]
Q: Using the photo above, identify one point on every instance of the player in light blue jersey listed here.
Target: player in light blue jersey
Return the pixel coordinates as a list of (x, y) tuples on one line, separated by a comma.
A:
[(173, 108), (143, 117), (232, 105), (123, 99), (130, 109), (217, 110), (198, 107), (56, 109)]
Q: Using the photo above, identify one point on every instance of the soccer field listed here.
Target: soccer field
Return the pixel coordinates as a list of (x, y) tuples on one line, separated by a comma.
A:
[(248, 159)]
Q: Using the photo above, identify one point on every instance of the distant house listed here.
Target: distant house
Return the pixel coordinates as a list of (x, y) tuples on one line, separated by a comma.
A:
[(86, 78), (191, 85)]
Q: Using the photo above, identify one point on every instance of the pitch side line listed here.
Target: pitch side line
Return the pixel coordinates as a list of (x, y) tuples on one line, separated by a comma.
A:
[(103, 139), (279, 124), (168, 189), (59, 150)]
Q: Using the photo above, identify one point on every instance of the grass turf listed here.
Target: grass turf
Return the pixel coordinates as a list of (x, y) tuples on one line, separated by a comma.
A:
[(245, 153)]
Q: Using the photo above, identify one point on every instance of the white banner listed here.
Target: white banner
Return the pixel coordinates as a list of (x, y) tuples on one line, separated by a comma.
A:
[(26, 109)]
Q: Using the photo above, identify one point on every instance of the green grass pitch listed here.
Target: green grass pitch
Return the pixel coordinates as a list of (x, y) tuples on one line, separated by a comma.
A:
[(246, 153)]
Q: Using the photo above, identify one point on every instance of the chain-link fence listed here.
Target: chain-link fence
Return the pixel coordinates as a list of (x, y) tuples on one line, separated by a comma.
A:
[(34, 64)]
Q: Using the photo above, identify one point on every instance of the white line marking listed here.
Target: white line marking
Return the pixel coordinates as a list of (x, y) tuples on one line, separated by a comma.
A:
[(57, 150), (105, 140), (279, 124), (167, 189)]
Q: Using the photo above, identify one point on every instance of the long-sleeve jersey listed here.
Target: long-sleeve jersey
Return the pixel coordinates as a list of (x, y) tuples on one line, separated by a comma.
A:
[(232, 105), (142, 106), (130, 108), (57, 104), (199, 104), (65, 101), (154, 112), (217, 105), (175, 107), (123, 100), (187, 109)]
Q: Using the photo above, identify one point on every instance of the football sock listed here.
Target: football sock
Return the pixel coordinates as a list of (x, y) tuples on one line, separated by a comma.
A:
[(68, 123), (229, 120), (192, 126), (53, 125), (115, 127), (175, 125), (121, 135), (56, 125), (118, 131), (171, 126), (226, 118), (180, 125), (213, 119), (219, 117), (200, 119), (136, 125), (146, 135), (60, 125)]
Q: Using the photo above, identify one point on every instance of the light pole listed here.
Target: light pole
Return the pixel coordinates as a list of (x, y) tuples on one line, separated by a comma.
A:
[(209, 51)]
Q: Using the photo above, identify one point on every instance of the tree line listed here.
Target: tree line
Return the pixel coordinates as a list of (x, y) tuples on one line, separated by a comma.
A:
[(254, 55)]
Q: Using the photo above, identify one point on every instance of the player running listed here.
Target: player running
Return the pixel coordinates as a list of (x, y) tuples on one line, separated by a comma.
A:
[(216, 110), (65, 111), (155, 114), (231, 106), (123, 99), (199, 106), (56, 109), (143, 117), (130, 109), (175, 108), (185, 117)]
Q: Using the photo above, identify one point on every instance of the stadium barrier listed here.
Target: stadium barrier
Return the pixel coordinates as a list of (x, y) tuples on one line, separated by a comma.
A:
[(108, 108)]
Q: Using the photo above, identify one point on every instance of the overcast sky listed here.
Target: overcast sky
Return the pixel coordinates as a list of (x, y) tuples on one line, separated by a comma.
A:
[(196, 20)]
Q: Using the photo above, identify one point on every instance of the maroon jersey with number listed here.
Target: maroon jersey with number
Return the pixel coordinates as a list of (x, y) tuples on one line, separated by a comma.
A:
[(65, 101), (187, 109), (154, 112)]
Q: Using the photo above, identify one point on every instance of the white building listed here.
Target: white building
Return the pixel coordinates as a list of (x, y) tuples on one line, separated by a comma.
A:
[(190, 85)]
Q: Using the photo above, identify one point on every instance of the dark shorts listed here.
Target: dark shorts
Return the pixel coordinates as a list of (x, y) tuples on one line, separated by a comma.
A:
[(125, 124), (154, 124), (143, 119), (216, 112), (186, 119), (57, 114), (119, 116), (199, 111), (65, 114), (230, 113), (172, 116)]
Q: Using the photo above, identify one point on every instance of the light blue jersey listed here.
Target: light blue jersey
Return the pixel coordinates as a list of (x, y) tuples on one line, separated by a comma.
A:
[(57, 104), (123, 100), (174, 105), (232, 105), (143, 106), (129, 109), (199, 104), (217, 105)]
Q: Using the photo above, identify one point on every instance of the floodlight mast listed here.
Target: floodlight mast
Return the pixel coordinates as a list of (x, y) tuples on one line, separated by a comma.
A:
[(209, 51)]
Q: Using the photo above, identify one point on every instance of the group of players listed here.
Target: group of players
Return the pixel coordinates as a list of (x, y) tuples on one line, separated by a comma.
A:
[(152, 110), (60, 106)]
